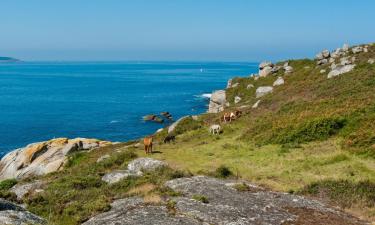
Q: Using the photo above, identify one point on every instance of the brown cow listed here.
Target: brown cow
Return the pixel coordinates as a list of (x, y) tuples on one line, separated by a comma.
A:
[(147, 141)]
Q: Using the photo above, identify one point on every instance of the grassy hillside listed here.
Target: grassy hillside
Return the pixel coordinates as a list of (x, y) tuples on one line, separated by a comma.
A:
[(309, 132), (312, 136)]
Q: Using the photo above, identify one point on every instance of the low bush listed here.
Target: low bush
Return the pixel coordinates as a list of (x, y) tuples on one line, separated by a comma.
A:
[(7, 184), (223, 172)]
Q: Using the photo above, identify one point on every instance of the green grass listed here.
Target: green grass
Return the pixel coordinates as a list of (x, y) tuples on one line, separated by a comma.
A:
[(200, 198), (7, 184)]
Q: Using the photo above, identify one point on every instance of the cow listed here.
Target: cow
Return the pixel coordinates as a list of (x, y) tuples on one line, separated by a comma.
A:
[(215, 129), (147, 141), (169, 138)]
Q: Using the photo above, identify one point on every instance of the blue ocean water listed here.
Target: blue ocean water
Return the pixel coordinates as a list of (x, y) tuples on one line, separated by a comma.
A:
[(40, 101)]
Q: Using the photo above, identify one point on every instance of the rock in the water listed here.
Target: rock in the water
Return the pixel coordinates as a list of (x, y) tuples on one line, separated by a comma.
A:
[(22, 189), (43, 157), (118, 175), (14, 215), (237, 99), (261, 91), (173, 126), (217, 102), (145, 164), (340, 70), (153, 118), (101, 158), (256, 104), (279, 81), (249, 86)]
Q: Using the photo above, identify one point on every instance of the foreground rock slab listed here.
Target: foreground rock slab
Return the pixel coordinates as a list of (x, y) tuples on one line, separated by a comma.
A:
[(226, 202), (43, 157), (217, 102), (15, 215)]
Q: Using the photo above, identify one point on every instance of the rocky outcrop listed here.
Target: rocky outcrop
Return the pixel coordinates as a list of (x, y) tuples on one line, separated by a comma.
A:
[(15, 215), (217, 102), (249, 86), (43, 157), (265, 68), (135, 169), (206, 200), (262, 91)]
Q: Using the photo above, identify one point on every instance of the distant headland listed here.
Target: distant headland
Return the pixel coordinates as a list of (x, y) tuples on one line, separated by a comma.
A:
[(8, 59)]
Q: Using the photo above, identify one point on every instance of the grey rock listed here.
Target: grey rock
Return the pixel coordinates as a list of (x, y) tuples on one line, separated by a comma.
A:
[(288, 69), (340, 70), (173, 126), (357, 49), (135, 211), (265, 71), (16, 215), (145, 164), (237, 99), (226, 205), (262, 91), (345, 47), (265, 64), (323, 71), (325, 54), (118, 175), (22, 189), (371, 61), (279, 81), (217, 102), (322, 62), (345, 61), (249, 86), (235, 85)]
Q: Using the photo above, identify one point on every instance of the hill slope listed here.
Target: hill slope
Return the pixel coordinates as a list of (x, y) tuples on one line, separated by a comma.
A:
[(312, 135)]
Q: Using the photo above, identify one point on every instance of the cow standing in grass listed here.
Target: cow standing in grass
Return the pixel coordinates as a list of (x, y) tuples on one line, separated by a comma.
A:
[(147, 141)]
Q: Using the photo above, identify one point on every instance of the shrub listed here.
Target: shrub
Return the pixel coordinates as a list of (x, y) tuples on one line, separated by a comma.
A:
[(187, 124), (223, 172), (200, 198), (312, 130), (7, 184), (343, 192)]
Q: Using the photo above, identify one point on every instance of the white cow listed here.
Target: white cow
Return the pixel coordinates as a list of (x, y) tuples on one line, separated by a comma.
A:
[(215, 129)]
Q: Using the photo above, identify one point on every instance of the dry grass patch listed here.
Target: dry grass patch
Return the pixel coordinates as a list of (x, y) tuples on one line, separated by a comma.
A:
[(142, 189)]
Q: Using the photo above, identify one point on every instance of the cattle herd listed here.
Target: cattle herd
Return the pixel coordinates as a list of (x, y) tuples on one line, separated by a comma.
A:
[(214, 129)]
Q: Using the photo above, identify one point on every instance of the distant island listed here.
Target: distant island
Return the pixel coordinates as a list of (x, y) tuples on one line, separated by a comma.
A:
[(7, 59)]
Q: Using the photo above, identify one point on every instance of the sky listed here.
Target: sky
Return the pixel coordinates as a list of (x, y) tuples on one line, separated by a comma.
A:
[(177, 30)]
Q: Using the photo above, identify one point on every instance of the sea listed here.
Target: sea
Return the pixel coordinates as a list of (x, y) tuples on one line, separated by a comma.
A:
[(105, 100)]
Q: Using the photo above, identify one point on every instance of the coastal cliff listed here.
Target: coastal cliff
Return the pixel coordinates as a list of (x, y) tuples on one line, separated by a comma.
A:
[(302, 152)]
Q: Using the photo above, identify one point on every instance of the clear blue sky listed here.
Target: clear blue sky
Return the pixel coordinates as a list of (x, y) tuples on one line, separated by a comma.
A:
[(226, 30)]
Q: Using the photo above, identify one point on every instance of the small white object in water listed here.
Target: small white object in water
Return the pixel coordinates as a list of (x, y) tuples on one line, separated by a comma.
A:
[(201, 70)]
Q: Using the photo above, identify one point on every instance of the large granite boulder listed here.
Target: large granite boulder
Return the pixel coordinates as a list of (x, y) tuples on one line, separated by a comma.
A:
[(340, 70), (15, 215), (266, 68), (218, 101), (262, 91), (145, 164), (279, 81), (135, 169), (43, 157), (206, 200)]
